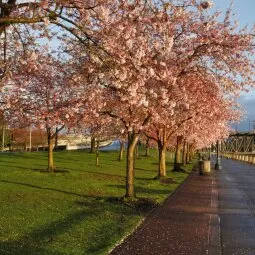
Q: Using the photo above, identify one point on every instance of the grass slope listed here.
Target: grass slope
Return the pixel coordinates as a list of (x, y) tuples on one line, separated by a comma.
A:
[(71, 211)]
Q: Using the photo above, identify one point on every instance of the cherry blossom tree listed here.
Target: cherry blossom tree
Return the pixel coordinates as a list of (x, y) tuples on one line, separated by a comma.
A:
[(26, 24), (136, 56), (127, 71), (44, 94), (198, 103), (196, 50), (146, 49), (100, 128)]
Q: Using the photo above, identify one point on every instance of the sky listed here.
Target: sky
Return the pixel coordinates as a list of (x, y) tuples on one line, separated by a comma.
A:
[(245, 14)]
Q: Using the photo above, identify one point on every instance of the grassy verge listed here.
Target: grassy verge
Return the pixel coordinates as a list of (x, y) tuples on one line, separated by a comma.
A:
[(73, 211)]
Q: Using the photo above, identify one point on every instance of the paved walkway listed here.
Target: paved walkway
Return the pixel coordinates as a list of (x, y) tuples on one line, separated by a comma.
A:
[(212, 215), (237, 208)]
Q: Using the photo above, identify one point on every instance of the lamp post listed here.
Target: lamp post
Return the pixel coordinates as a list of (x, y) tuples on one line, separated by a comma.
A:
[(217, 165)]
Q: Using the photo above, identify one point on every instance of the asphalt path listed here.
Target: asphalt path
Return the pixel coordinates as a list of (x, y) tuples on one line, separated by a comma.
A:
[(183, 225), (236, 186), (212, 214)]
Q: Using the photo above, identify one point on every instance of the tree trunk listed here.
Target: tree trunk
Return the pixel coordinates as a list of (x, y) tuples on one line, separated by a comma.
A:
[(191, 153), (188, 153), (137, 150), (56, 140), (121, 152), (93, 145), (12, 141), (162, 160), (30, 138), (50, 154), (184, 152), (130, 168), (97, 153), (177, 160), (3, 138), (50, 140), (147, 152)]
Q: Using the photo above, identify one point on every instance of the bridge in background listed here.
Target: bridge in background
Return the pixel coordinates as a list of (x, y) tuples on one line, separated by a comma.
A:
[(239, 142)]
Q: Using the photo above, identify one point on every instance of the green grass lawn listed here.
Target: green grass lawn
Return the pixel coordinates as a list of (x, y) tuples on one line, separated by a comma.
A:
[(72, 211)]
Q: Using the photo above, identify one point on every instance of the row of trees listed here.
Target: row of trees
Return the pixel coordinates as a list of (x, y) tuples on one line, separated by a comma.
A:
[(168, 70)]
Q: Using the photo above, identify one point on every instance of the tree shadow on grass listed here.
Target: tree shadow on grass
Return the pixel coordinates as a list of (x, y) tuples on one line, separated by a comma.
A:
[(12, 166), (53, 172), (41, 170), (53, 189), (145, 178), (63, 170), (24, 168), (139, 205), (42, 188), (105, 175), (40, 240), (107, 151), (36, 241), (179, 170), (108, 164), (67, 161), (140, 189), (117, 159), (147, 170), (145, 156)]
